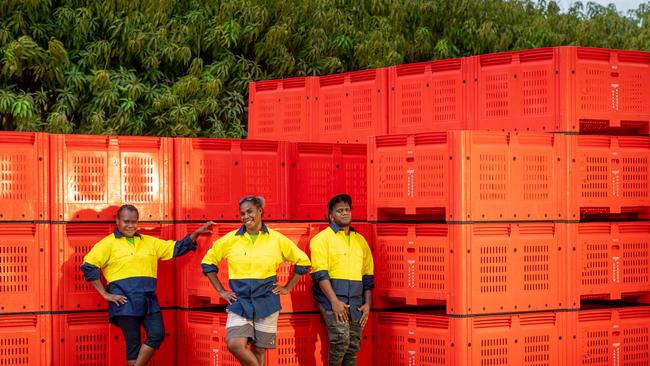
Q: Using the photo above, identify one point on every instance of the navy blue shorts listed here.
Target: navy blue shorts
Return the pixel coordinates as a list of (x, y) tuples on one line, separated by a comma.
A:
[(130, 325)]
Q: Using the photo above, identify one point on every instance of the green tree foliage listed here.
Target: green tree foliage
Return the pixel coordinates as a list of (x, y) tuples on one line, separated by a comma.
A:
[(182, 67)]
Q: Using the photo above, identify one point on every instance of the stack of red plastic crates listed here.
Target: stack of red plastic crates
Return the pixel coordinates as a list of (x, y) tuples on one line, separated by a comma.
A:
[(510, 187), (296, 179)]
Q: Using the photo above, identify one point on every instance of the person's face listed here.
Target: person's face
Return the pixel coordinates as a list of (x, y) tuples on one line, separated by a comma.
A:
[(127, 223), (250, 215), (341, 214)]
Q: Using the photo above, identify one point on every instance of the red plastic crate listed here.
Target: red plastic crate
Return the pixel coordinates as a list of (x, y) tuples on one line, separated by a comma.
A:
[(91, 176), (318, 171), (25, 339), (71, 242), (517, 91), (213, 174), (429, 97), (23, 167), (605, 91), (297, 341), (24, 268), (195, 290), (467, 176), (87, 339), (613, 259), (350, 107), (281, 109), (609, 176), (473, 268), (606, 336), (202, 339), (432, 339)]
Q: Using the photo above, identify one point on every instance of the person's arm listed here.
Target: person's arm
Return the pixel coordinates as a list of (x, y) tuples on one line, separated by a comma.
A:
[(320, 275), (225, 294), (95, 259), (209, 266), (168, 249), (368, 280), (116, 299), (293, 254)]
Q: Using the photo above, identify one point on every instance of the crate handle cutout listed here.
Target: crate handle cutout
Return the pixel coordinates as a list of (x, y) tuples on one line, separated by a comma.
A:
[(18, 321), (85, 319), (536, 55), (139, 143), (446, 65), (212, 144), (388, 141), (634, 313), (200, 319), (594, 316), (634, 57), (634, 228), (430, 230), (593, 54), (493, 322), (411, 69), (430, 139), (496, 59), (594, 141), (315, 148), (537, 319), (329, 80), (294, 83), (250, 145), (434, 322), (364, 75), (631, 142), (23, 138), (392, 230)]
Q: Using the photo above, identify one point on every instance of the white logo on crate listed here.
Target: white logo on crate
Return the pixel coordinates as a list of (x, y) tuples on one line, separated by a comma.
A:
[(616, 354), (215, 352), (412, 360), (410, 183), (411, 273), (615, 96)]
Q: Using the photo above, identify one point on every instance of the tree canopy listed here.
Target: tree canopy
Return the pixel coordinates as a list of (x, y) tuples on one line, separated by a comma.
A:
[(182, 67)]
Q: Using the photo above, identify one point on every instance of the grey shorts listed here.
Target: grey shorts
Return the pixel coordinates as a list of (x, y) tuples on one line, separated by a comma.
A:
[(259, 331)]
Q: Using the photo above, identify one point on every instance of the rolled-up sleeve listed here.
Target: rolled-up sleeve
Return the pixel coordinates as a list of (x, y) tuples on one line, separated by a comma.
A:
[(293, 254), (95, 260), (319, 262), (368, 272), (214, 255)]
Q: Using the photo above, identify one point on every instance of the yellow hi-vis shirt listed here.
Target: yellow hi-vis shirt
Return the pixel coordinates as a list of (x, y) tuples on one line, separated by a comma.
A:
[(252, 268), (346, 262), (131, 269)]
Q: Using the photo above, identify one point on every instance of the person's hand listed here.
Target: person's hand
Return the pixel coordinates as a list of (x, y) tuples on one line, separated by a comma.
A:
[(340, 310), (116, 299), (280, 290), (228, 296), (365, 313), (206, 228)]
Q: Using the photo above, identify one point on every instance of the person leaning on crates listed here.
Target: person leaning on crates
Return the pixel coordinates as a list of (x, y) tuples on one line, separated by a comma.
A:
[(129, 262), (342, 270), (253, 252)]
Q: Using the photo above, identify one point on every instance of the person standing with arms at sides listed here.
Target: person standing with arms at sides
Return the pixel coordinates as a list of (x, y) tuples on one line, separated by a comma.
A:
[(129, 262), (254, 253), (342, 270)]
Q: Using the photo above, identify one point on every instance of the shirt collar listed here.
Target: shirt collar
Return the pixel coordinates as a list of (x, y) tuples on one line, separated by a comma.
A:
[(335, 228), (242, 229), (119, 235)]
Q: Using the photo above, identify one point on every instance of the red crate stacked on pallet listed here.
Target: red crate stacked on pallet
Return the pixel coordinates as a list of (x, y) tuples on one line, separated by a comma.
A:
[(436, 339), (281, 109), (72, 241), (213, 174), (467, 176), (26, 339), (350, 107), (474, 268), (318, 171), (609, 336), (91, 176)]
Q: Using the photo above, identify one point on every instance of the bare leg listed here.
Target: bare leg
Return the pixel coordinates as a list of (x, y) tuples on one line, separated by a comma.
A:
[(260, 354), (145, 354), (237, 346), (130, 362)]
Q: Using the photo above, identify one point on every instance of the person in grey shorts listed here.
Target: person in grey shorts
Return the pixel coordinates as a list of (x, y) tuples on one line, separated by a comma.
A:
[(254, 253)]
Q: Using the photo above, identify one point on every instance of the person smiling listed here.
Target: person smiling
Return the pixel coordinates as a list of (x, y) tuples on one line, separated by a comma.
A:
[(254, 253), (129, 262)]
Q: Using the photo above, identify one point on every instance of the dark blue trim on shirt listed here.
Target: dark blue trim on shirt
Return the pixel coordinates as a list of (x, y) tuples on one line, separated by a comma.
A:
[(301, 270), (91, 272), (368, 282), (242, 229), (183, 246), (209, 268), (335, 228), (119, 235), (320, 276)]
